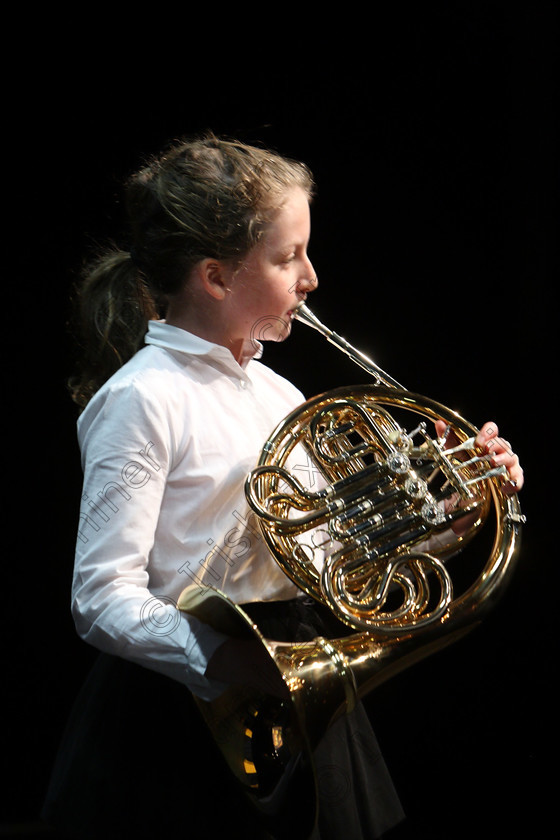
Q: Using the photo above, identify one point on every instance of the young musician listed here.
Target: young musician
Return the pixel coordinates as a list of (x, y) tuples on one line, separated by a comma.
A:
[(175, 406)]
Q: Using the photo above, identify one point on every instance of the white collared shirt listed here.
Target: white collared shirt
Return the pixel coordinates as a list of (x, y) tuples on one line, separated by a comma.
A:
[(166, 445)]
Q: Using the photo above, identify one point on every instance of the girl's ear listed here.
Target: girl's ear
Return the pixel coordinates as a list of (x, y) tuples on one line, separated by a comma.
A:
[(215, 277)]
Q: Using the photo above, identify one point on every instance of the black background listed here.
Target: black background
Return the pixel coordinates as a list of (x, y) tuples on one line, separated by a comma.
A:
[(433, 140)]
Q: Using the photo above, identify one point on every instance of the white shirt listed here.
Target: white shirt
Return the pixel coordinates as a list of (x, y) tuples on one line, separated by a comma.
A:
[(166, 445)]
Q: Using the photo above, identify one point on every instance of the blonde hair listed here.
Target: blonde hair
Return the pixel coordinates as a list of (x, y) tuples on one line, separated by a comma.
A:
[(206, 197)]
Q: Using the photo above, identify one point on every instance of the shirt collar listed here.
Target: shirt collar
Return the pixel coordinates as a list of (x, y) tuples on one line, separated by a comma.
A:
[(169, 337)]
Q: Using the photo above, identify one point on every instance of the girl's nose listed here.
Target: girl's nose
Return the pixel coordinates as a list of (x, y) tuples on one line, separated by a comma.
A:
[(310, 281)]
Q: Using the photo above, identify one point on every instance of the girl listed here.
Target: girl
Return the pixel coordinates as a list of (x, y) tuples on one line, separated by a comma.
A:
[(175, 412)]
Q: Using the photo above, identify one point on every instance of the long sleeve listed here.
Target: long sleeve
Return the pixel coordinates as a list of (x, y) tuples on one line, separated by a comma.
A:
[(128, 449)]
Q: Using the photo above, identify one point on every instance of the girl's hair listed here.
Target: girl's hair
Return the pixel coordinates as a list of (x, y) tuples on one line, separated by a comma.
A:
[(201, 198)]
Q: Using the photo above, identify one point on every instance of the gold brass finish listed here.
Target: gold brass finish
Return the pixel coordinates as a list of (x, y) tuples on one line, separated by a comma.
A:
[(358, 503)]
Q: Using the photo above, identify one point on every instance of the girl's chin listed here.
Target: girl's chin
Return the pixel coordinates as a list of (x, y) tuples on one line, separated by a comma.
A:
[(272, 328)]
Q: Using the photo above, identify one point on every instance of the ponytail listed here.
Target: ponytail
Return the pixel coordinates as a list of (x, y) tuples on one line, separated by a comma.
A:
[(200, 198), (112, 308)]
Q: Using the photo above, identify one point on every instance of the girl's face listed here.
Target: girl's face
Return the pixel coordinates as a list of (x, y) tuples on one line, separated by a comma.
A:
[(275, 276)]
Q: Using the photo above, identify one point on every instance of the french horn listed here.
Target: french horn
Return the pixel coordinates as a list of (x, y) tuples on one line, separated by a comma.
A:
[(374, 534)]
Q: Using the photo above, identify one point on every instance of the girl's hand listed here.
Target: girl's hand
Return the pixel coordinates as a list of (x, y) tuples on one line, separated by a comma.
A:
[(246, 662), (502, 454)]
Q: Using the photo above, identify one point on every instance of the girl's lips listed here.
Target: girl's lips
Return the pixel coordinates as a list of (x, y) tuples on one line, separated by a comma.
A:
[(292, 312)]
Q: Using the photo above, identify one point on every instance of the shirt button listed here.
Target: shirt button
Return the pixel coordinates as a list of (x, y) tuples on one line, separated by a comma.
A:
[(242, 383)]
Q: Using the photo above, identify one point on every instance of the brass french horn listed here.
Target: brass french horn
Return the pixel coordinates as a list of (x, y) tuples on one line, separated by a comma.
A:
[(371, 533)]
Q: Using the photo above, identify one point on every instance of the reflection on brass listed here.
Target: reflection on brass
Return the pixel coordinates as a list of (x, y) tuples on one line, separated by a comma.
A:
[(368, 512)]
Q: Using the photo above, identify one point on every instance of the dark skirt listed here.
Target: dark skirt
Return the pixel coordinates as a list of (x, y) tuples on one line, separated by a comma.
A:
[(136, 760)]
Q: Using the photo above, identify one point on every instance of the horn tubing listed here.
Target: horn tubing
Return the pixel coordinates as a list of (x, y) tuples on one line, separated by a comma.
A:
[(304, 314)]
